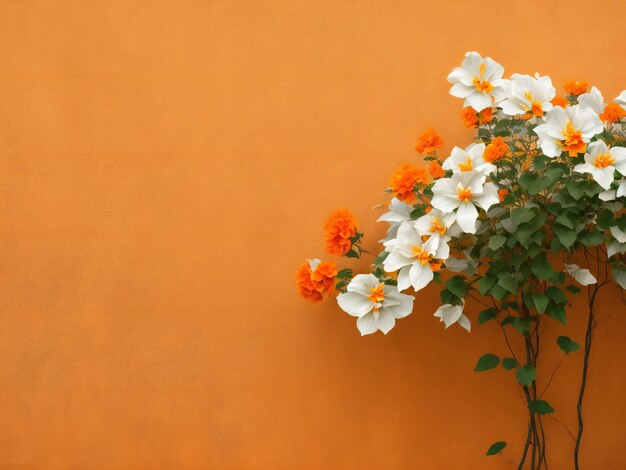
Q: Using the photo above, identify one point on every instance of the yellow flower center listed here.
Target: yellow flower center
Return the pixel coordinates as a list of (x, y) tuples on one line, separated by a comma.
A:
[(463, 194), (377, 294), (422, 256), (482, 85), (603, 160), (573, 141), (436, 226), (466, 165), (535, 108)]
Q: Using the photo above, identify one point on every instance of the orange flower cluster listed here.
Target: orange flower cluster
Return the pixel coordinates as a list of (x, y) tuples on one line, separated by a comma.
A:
[(560, 101), (405, 179), (428, 141), (576, 87), (339, 228), (471, 119), (435, 169), (502, 193), (495, 150), (613, 113), (315, 284)]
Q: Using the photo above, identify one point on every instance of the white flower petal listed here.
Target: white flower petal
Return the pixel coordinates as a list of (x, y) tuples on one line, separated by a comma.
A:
[(582, 276)]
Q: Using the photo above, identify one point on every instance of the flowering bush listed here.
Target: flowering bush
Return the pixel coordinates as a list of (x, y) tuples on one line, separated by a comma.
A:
[(513, 216)]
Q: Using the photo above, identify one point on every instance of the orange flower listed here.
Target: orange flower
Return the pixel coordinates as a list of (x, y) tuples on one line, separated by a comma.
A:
[(405, 179), (435, 265), (560, 101), (435, 169), (471, 119), (576, 87), (501, 193), (316, 280), (339, 228), (495, 150), (428, 141), (613, 113)]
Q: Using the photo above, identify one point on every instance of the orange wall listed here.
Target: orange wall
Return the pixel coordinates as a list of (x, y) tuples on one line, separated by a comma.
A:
[(166, 165)]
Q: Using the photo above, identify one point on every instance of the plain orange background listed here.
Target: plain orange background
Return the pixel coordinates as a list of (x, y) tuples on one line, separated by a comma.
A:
[(166, 166)]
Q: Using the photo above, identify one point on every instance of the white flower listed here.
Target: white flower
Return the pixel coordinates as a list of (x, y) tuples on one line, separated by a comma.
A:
[(615, 247), (621, 99), (479, 81), (582, 276), (409, 254), (438, 227), (618, 234), (529, 96), (450, 314), (463, 192), (377, 305), (592, 100), (602, 162), (399, 212), (568, 130), (612, 194), (467, 160)]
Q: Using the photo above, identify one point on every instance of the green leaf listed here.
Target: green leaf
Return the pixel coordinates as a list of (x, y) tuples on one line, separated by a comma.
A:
[(558, 313), (522, 324), (556, 294), (566, 236), (485, 284), (526, 375), (575, 189), (564, 219), (496, 448), (521, 215), (509, 363), (540, 407), (542, 268), (347, 272), (487, 315), (506, 281), (381, 257), (417, 213), (573, 289), (567, 345), (456, 285), (487, 362), (496, 242), (352, 254), (541, 302)]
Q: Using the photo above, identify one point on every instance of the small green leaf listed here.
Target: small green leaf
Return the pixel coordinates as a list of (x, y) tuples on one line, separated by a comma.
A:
[(556, 294), (456, 285), (506, 281), (558, 313), (573, 289), (352, 254), (487, 315), (522, 325), (509, 363), (566, 236), (521, 215), (540, 407), (526, 375), (347, 272), (381, 257), (541, 302), (496, 242), (485, 284), (487, 362), (567, 345), (541, 268), (496, 448)]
